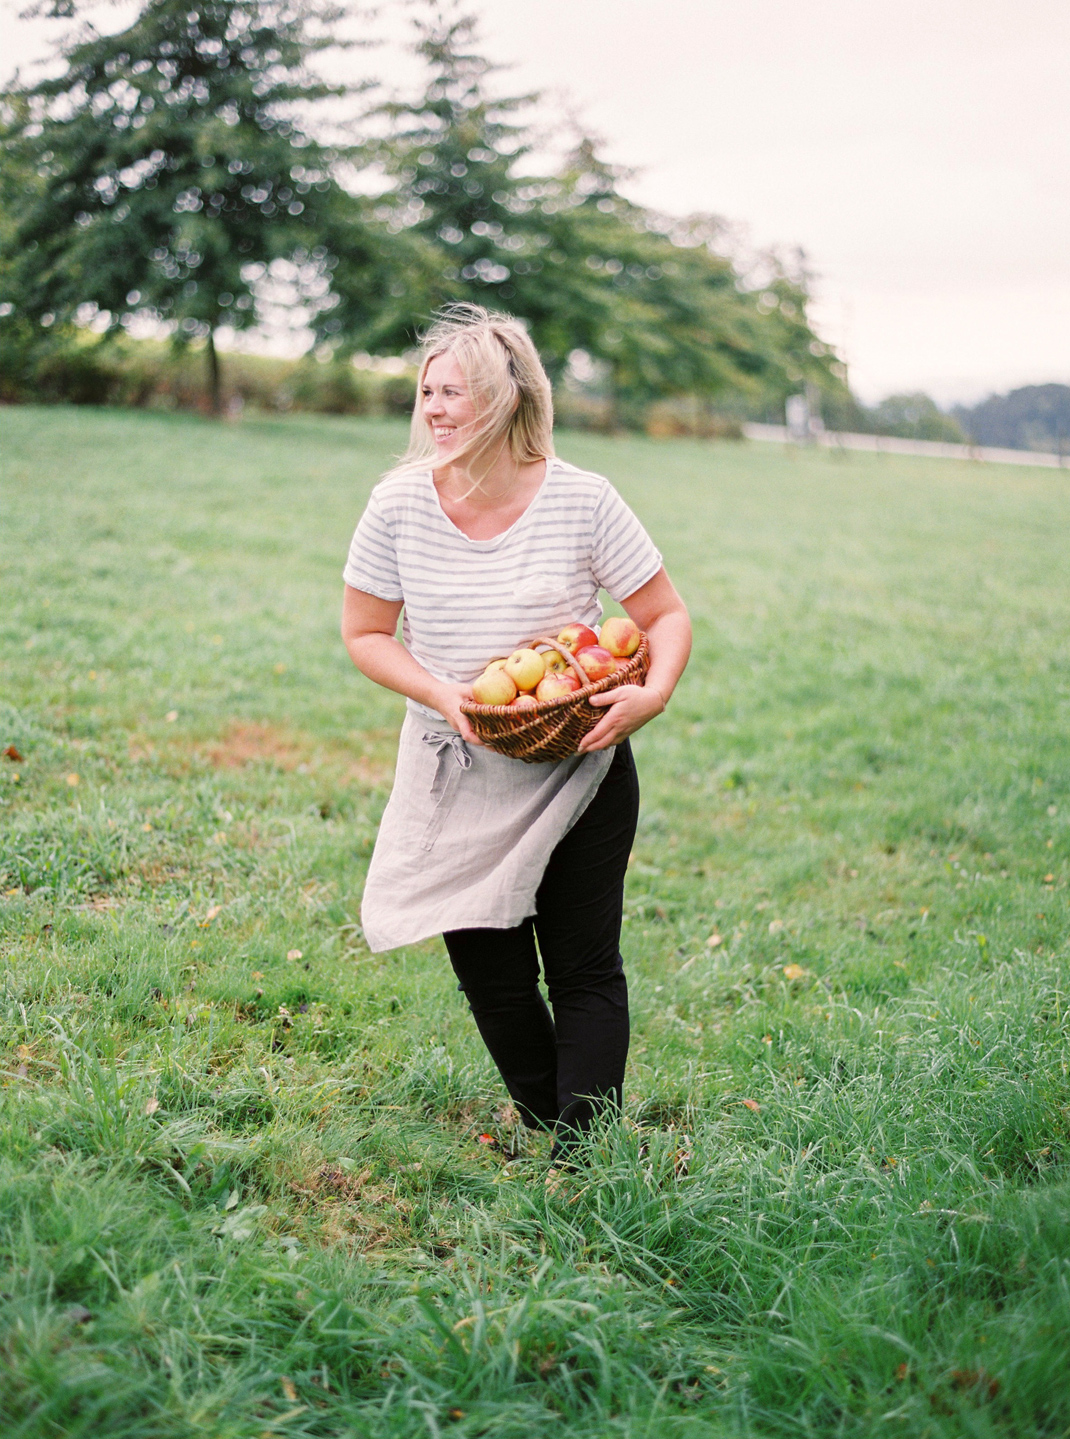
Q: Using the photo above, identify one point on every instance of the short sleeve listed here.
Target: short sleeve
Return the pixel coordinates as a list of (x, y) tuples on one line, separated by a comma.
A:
[(623, 555), (372, 565)]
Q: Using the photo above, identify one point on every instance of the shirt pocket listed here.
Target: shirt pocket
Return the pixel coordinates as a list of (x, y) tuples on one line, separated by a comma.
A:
[(540, 593)]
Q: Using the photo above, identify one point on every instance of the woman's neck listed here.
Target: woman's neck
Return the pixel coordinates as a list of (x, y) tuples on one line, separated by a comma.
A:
[(492, 486), (501, 497)]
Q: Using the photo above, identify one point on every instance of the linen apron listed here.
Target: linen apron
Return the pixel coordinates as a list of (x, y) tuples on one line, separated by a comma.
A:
[(466, 834)]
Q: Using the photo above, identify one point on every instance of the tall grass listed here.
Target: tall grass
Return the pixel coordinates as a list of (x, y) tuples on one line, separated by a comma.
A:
[(257, 1181)]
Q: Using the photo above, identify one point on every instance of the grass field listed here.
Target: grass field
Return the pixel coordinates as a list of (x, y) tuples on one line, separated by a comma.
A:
[(242, 1191)]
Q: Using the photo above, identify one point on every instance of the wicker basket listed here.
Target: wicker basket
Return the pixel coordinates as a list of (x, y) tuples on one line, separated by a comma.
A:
[(553, 729)]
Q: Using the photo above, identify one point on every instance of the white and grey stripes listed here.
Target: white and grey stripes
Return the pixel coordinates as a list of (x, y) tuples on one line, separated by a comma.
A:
[(468, 601)]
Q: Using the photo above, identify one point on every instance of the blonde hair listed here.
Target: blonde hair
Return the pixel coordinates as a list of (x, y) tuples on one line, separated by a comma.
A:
[(507, 385)]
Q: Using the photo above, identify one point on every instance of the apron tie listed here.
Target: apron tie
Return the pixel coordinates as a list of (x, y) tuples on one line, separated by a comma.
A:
[(443, 745)]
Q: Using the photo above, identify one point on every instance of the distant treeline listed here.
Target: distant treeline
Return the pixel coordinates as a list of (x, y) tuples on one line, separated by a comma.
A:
[(1035, 417)]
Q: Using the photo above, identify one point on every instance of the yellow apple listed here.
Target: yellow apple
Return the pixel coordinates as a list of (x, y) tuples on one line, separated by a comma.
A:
[(493, 687), (525, 668)]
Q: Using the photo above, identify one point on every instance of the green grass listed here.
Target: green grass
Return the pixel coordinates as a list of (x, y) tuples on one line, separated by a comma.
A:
[(241, 1190)]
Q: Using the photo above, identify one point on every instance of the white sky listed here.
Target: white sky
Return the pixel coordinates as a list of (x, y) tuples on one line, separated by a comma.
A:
[(918, 150)]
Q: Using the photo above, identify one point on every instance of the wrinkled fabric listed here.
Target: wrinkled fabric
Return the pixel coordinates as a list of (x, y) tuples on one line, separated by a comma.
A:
[(467, 834)]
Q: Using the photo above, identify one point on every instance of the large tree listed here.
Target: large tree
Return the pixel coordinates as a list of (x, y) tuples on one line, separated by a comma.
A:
[(649, 297), (177, 167)]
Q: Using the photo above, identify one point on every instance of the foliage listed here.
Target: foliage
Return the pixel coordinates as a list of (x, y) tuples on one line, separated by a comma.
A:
[(914, 416), (174, 170), (81, 369), (240, 1185), (1035, 417), (171, 172), (646, 297)]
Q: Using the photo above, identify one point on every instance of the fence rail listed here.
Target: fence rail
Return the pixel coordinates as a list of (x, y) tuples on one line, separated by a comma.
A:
[(892, 445)]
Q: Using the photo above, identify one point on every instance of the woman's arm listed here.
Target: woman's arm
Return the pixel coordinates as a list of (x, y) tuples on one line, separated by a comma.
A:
[(658, 609), (368, 628)]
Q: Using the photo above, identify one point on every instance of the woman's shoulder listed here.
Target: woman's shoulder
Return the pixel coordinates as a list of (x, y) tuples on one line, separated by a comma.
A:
[(402, 491), (579, 484)]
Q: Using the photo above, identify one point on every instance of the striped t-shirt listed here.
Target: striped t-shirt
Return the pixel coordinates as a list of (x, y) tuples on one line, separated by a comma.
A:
[(470, 601)]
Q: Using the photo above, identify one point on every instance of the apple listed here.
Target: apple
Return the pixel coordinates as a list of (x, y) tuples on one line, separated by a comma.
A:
[(596, 662), (494, 665), (493, 687), (576, 637), (525, 668), (620, 636), (556, 687), (526, 702), (555, 663)]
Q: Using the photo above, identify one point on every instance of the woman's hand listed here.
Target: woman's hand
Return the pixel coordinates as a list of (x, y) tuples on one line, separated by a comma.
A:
[(447, 700), (658, 609), (628, 707)]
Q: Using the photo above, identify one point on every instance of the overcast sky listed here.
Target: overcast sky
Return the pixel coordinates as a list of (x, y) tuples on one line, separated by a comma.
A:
[(919, 152)]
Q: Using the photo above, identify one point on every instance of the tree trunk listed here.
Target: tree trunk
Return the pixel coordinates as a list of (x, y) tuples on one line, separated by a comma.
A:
[(215, 387)]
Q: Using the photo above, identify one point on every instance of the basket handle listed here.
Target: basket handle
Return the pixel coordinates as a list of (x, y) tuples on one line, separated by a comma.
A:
[(581, 674)]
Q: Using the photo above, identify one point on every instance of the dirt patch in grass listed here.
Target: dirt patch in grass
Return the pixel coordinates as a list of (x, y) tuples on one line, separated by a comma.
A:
[(249, 742)]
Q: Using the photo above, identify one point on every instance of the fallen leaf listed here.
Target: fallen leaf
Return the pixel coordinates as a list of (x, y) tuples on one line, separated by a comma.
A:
[(288, 1388), (280, 668), (147, 827), (1048, 878), (72, 780), (215, 909), (775, 926), (975, 1379), (12, 754), (713, 941), (152, 1105), (753, 1105), (455, 1414), (170, 716), (902, 1371), (24, 1051), (295, 954), (794, 971), (486, 1139), (258, 974)]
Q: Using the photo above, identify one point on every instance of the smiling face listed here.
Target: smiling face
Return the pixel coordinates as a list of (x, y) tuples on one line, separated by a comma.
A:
[(447, 408)]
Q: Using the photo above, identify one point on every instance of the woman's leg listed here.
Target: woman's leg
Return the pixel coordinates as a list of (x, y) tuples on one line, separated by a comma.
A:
[(578, 920), (499, 973)]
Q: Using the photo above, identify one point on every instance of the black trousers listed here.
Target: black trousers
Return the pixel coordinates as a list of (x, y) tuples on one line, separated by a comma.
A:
[(561, 1070)]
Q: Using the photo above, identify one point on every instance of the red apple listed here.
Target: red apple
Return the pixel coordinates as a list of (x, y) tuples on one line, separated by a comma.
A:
[(596, 662), (620, 636), (526, 702), (576, 637), (493, 687), (525, 668), (555, 687)]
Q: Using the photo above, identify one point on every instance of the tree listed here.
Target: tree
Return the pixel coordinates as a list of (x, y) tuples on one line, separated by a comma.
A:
[(650, 298), (175, 171), (1035, 417)]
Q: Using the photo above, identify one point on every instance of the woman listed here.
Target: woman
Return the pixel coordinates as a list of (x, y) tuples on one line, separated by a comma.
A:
[(485, 540)]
